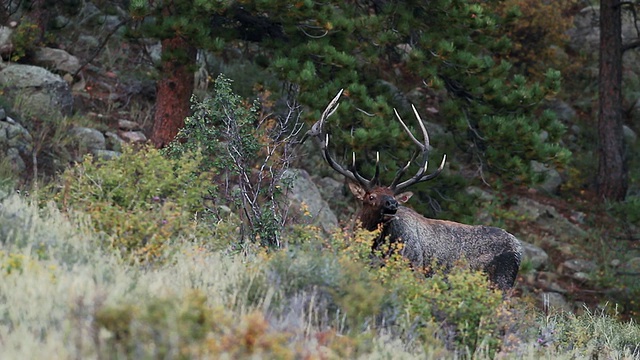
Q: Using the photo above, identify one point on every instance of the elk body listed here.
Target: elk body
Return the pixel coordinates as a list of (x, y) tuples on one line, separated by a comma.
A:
[(424, 240)]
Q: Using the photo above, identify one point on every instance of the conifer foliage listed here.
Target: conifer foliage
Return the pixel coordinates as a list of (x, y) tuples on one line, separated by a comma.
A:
[(453, 47)]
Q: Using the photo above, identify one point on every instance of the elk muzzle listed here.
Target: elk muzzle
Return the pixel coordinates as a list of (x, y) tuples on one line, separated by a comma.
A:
[(389, 207)]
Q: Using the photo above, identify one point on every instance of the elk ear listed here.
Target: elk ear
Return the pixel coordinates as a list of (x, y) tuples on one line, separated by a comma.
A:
[(357, 191), (404, 197)]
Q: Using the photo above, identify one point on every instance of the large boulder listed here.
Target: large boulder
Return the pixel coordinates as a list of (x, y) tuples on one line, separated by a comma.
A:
[(536, 256), (584, 37), (6, 46), (56, 59), (307, 202), (552, 178), (36, 92), (16, 144), (548, 219)]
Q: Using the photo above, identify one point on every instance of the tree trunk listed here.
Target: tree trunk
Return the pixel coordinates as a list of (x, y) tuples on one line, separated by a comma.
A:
[(612, 171), (174, 90), (39, 14)]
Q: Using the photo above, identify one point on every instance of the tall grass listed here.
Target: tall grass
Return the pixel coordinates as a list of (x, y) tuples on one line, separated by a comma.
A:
[(65, 295)]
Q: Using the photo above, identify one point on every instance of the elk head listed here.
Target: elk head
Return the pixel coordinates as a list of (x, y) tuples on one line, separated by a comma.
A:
[(379, 203)]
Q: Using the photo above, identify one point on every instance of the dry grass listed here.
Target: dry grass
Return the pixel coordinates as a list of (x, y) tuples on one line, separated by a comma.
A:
[(62, 296)]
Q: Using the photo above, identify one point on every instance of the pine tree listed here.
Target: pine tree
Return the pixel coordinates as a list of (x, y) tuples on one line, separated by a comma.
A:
[(183, 26), (454, 45), (319, 48)]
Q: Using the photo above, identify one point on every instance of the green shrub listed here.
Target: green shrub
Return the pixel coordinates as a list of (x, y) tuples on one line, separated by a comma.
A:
[(628, 210), (459, 309), (593, 334), (24, 40), (140, 200), (248, 151), (186, 327)]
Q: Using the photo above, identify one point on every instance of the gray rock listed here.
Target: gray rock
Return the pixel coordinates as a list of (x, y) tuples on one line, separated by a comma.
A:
[(106, 154), (330, 187), (404, 50), (578, 265), (630, 136), (585, 35), (134, 137), (128, 125), (554, 302), (36, 91), (479, 193), (16, 145), (87, 42), (304, 197), (398, 98), (581, 276), (12, 155), (88, 138), (59, 22), (564, 112), (3, 114), (114, 142), (154, 49), (538, 258), (6, 46), (56, 59), (548, 218), (552, 178)]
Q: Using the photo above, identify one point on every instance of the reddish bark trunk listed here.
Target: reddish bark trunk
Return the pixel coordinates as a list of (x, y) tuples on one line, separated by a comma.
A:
[(612, 173), (174, 90)]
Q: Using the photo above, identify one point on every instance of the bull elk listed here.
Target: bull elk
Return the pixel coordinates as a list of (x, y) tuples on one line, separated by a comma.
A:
[(490, 249)]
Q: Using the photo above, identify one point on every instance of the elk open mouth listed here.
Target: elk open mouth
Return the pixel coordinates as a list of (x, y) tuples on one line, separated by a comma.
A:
[(388, 214)]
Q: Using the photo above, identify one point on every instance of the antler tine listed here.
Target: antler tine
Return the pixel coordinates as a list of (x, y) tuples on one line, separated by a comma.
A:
[(375, 179), (420, 177), (425, 134), (317, 129), (361, 179), (349, 174), (334, 165), (401, 172), (423, 149), (332, 107)]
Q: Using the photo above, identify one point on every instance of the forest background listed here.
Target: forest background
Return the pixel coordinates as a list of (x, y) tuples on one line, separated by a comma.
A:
[(194, 250)]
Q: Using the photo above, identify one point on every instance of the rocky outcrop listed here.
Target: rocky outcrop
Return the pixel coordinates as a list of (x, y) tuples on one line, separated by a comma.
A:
[(56, 59), (307, 203), (16, 144), (36, 92)]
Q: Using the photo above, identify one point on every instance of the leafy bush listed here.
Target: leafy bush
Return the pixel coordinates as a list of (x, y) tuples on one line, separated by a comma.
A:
[(191, 327), (538, 33), (628, 210), (140, 200), (247, 150), (463, 302), (72, 299), (459, 309), (24, 40)]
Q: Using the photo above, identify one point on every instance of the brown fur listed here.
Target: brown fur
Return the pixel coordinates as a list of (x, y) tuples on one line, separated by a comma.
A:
[(485, 248)]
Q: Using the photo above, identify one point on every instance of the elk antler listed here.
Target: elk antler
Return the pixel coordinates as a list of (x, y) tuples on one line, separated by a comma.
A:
[(318, 130), (423, 150)]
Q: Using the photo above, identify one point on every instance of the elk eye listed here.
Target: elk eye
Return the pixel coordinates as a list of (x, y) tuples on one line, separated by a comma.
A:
[(372, 197)]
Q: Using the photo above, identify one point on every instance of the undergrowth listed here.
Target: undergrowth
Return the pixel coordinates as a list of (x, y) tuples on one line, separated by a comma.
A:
[(64, 295)]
